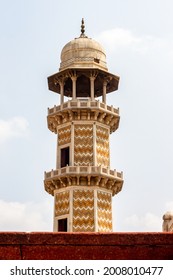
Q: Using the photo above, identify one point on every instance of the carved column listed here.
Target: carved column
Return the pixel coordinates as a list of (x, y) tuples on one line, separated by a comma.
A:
[(73, 77), (104, 92), (93, 75), (92, 87), (61, 83)]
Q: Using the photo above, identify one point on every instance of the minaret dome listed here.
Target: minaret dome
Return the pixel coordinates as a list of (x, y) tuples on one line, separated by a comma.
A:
[(82, 60), (83, 52)]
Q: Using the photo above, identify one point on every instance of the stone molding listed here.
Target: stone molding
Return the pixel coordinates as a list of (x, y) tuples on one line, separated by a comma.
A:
[(83, 110), (88, 175)]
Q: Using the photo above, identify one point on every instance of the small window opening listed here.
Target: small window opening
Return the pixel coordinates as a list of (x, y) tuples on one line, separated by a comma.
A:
[(97, 60), (62, 225), (64, 157)]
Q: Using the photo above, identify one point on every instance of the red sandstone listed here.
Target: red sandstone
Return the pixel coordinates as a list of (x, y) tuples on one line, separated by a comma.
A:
[(91, 246)]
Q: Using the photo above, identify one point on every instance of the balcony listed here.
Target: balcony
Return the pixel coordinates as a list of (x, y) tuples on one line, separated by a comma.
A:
[(84, 170), (85, 110), (83, 104)]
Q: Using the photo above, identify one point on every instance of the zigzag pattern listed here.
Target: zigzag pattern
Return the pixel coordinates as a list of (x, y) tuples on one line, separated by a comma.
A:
[(83, 145), (83, 210), (102, 145), (104, 211), (62, 203), (64, 135)]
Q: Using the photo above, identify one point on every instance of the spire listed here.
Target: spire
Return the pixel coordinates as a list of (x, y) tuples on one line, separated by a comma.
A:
[(83, 29)]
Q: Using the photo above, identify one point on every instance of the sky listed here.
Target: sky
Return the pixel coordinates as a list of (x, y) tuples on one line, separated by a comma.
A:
[(138, 39)]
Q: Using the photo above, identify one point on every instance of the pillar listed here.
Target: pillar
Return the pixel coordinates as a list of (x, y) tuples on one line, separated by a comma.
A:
[(62, 91), (92, 78), (104, 92), (73, 77)]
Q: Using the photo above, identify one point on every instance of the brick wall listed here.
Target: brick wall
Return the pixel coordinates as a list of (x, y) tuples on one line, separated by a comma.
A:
[(111, 246)]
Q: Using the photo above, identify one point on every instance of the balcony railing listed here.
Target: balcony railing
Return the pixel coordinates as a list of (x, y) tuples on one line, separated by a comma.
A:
[(87, 170), (83, 103)]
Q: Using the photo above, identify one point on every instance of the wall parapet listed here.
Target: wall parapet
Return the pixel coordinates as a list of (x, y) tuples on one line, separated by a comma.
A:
[(91, 246)]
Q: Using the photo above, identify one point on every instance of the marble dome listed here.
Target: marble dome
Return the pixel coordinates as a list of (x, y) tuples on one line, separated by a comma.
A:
[(83, 52)]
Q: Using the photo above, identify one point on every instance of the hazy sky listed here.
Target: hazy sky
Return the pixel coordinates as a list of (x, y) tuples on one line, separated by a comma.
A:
[(138, 39)]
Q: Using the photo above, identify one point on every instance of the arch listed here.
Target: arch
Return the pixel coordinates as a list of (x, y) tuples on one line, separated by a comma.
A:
[(83, 86), (68, 87)]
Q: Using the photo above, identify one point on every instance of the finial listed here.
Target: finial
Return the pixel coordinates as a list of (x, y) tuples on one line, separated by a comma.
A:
[(83, 29)]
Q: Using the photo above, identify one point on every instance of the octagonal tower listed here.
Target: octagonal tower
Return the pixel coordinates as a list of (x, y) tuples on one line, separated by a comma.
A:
[(83, 183)]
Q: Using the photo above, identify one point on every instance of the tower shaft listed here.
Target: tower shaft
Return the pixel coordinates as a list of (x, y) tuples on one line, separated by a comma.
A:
[(83, 183)]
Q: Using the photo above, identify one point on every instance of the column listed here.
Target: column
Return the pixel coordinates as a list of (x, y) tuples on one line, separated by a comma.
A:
[(93, 75), (74, 78), (94, 145), (92, 87), (57, 154), (95, 211), (71, 210), (72, 144), (104, 92), (54, 218), (62, 91)]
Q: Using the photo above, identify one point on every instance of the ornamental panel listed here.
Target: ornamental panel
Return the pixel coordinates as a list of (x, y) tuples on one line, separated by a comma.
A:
[(83, 210), (62, 203), (104, 211), (64, 135), (102, 145), (83, 145)]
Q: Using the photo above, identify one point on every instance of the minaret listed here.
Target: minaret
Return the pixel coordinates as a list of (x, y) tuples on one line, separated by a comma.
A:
[(83, 183)]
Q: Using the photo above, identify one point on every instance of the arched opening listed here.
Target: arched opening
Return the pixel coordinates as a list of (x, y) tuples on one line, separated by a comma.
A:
[(68, 87), (83, 87)]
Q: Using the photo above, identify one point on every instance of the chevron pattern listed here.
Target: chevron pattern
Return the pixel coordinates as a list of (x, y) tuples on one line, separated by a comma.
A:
[(83, 210), (62, 203), (83, 145), (104, 211), (102, 145), (64, 135)]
